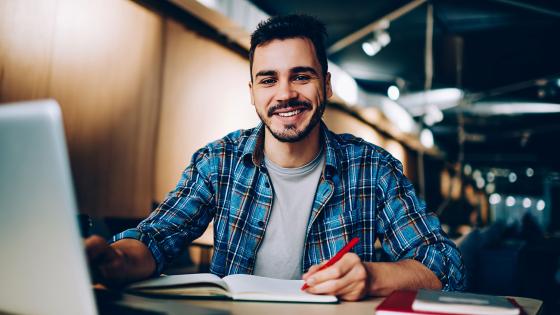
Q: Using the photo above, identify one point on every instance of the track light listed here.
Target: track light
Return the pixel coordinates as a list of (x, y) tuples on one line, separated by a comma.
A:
[(371, 47), (380, 39), (393, 92)]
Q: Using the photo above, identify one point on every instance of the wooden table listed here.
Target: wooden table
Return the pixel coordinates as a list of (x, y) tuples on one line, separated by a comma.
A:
[(193, 306)]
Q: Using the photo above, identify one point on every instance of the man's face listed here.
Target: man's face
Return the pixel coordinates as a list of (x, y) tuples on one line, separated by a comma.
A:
[(288, 88)]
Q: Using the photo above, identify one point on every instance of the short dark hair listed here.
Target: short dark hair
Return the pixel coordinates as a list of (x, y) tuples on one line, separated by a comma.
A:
[(291, 26)]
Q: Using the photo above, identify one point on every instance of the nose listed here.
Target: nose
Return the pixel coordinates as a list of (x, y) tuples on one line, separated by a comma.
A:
[(285, 92)]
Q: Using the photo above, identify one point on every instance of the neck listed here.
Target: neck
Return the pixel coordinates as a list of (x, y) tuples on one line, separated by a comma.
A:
[(296, 154)]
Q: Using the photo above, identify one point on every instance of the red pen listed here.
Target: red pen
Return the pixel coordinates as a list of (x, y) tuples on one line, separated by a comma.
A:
[(336, 257)]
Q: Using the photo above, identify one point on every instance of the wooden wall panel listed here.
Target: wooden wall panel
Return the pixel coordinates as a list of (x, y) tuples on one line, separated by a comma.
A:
[(205, 96), (26, 29), (101, 60), (341, 122)]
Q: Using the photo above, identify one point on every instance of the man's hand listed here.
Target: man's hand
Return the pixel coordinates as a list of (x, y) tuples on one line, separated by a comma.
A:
[(347, 279), (107, 263), (351, 280), (124, 261)]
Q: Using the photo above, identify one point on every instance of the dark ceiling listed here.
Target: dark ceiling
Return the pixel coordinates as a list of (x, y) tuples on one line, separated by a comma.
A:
[(503, 41), (506, 50)]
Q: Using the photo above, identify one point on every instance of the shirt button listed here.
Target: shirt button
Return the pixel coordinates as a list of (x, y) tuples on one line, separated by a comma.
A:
[(261, 223), (267, 185)]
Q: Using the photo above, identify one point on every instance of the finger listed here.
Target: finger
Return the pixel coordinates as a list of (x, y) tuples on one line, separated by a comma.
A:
[(354, 292), (332, 286), (110, 255), (336, 271), (357, 285), (338, 286), (327, 287), (100, 251), (112, 269), (313, 269), (95, 246)]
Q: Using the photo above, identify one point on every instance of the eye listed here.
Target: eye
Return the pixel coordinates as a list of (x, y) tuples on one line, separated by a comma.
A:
[(268, 81), (301, 77)]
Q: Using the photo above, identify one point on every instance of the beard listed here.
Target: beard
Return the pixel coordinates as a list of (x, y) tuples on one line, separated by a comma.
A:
[(289, 132)]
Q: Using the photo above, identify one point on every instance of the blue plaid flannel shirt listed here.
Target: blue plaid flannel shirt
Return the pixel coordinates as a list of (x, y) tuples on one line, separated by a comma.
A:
[(362, 193)]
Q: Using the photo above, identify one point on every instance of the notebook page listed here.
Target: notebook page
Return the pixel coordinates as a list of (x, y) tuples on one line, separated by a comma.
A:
[(249, 287), (179, 280)]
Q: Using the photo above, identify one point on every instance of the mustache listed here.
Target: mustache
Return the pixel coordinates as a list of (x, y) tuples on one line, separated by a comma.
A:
[(292, 103)]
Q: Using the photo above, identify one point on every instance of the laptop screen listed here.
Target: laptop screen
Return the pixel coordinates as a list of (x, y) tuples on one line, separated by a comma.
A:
[(43, 266)]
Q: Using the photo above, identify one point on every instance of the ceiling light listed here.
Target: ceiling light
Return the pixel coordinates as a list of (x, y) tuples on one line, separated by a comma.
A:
[(495, 199), (467, 169), (477, 174), (510, 201), (443, 99), (541, 205), (433, 115), (526, 203), (529, 172), (427, 138), (380, 39), (371, 48), (383, 38), (490, 188), (512, 177), (393, 92), (496, 108), (209, 3), (398, 116), (480, 183)]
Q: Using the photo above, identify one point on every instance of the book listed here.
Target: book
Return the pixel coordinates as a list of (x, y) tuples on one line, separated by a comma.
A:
[(463, 303), (235, 287), (401, 303)]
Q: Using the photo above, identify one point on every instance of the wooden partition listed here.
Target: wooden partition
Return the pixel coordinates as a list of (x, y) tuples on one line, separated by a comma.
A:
[(342, 122), (205, 96), (101, 60)]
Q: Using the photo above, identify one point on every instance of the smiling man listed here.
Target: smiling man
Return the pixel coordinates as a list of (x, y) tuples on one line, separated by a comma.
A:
[(288, 194)]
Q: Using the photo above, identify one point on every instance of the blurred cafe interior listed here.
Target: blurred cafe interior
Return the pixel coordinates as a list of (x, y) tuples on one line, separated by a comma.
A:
[(466, 94)]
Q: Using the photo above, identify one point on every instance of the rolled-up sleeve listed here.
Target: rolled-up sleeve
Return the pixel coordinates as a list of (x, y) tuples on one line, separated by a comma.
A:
[(181, 217), (407, 231)]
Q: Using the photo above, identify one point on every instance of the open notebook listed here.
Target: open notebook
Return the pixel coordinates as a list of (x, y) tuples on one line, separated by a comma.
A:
[(235, 287)]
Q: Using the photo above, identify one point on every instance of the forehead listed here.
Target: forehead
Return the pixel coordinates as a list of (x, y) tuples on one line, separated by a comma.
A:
[(283, 54)]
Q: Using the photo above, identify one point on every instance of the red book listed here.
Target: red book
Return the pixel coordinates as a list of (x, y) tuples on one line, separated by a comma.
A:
[(400, 303)]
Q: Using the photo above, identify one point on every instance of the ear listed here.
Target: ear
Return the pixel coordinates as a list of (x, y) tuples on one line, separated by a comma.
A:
[(328, 87), (251, 93)]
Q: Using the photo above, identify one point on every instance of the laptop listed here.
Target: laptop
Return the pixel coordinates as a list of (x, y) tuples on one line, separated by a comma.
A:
[(43, 268)]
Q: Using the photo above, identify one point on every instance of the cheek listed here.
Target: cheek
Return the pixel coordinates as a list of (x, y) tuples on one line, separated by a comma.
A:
[(315, 93), (262, 98)]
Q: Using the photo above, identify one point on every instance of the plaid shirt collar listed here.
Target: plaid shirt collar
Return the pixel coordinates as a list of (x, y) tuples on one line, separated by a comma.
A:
[(254, 150)]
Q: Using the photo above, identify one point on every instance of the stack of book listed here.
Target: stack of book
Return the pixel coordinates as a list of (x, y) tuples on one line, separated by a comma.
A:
[(427, 302)]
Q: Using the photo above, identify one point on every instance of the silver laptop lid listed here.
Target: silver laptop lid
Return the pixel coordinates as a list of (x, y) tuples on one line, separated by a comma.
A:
[(43, 267)]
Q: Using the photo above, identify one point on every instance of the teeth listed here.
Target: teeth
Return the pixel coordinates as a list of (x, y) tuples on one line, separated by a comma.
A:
[(289, 114)]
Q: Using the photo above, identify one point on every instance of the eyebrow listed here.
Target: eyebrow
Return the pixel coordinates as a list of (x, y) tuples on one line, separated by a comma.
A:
[(265, 73), (304, 69), (300, 69)]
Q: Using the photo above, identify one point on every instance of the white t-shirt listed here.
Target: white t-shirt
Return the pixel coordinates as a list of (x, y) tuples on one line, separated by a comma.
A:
[(281, 250)]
